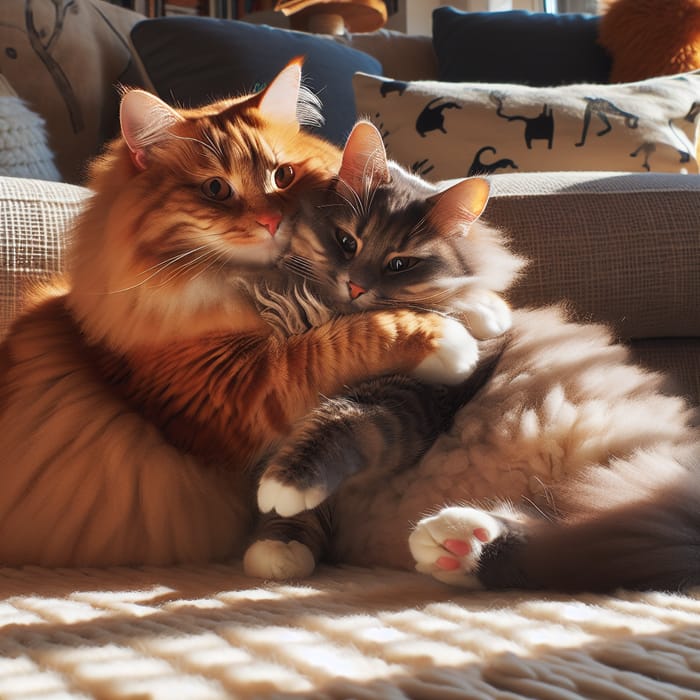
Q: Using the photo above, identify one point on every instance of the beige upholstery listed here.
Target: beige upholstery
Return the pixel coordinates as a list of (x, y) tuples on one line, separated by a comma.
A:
[(34, 216)]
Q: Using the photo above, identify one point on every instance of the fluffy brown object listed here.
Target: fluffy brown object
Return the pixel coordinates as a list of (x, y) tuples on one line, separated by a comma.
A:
[(647, 38)]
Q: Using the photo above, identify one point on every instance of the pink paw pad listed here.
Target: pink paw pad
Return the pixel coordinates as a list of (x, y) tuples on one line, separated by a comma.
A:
[(457, 547), (447, 563), (481, 534)]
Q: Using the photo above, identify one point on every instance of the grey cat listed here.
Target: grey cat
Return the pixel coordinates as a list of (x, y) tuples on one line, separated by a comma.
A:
[(576, 470)]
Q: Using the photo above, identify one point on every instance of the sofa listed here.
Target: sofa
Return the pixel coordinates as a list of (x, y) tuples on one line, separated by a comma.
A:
[(616, 240)]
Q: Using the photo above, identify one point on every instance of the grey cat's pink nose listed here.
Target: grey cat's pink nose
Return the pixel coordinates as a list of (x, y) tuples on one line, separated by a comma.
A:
[(355, 290), (270, 221)]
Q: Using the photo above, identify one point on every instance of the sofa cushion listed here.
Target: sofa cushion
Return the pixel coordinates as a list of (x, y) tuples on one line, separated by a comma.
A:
[(532, 48), (193, 60), (446, 130), (63, 59), (24, 151)]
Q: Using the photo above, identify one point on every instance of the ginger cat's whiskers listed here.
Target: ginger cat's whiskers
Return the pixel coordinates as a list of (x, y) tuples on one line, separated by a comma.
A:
[(157, 269)]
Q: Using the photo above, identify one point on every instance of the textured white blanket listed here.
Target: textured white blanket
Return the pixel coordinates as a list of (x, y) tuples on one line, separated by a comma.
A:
[(210, 632)]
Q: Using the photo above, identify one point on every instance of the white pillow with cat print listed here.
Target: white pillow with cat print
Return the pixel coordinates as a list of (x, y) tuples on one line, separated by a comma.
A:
[(447, 130)]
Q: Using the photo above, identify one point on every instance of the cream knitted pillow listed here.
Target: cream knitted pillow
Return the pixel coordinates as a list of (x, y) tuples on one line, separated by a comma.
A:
[(24, 150)]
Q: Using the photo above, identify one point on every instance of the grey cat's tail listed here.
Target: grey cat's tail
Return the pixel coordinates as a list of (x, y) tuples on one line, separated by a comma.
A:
[(648, 538)]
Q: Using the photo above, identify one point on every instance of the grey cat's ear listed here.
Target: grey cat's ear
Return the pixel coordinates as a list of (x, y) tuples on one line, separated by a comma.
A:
[(364, 159), (461, 203), (145, 120)]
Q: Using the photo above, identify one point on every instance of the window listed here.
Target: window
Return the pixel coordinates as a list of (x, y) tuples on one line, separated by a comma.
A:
[(589, 6)]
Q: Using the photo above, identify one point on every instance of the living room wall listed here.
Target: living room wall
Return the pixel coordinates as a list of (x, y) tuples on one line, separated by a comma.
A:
[(415, 16)]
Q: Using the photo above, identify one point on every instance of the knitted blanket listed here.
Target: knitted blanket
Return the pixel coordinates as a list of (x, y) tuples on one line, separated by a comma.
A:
[(210, 632)]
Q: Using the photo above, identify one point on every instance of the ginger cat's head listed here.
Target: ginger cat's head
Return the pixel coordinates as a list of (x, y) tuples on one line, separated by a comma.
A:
[(379, 236), (190, 206)]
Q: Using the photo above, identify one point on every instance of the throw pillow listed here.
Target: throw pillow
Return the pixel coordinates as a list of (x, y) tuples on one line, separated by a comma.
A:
[(192, 60), (532, 48), (647, 38), (24, 151), (63, 58), (446, 130)]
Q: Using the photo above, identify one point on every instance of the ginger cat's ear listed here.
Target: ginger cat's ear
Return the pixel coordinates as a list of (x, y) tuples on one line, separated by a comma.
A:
[(364, 163), (278, 101), (145, 120), (462, 203)]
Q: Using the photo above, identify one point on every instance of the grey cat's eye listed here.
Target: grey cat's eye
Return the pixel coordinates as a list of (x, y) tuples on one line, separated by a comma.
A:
[(399, 264), (346, 242)]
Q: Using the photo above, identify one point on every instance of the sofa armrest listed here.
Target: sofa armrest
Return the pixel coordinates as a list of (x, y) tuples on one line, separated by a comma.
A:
[(34, 218)]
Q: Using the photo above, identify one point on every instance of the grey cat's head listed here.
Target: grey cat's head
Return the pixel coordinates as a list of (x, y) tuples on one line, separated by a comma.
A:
[(380, 236)]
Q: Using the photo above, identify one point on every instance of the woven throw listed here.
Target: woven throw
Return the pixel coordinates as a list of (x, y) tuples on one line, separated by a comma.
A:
[(209, 632)]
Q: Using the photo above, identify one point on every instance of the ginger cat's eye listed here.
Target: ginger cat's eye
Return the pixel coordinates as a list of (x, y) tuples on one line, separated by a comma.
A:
[(284, 176), (217, 188), (399, 264), (346, 242)]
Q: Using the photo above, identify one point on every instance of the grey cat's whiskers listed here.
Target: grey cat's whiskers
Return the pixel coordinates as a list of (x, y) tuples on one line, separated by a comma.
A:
[(414, 306), (302, 267)]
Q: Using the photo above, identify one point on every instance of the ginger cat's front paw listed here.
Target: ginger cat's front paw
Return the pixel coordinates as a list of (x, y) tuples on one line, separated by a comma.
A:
[(273, 559), (455, 358), (487, 315), (448, 546)]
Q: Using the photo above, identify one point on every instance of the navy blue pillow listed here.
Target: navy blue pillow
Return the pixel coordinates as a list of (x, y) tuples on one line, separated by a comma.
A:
[(194, 60), (528, 48)]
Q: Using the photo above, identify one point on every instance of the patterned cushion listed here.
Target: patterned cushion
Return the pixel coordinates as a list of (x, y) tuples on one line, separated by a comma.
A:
[(34, 216), (446, 130), (64, 59)]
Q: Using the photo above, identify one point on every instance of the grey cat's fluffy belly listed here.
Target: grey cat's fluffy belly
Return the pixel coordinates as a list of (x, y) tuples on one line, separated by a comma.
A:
[(562, 398)]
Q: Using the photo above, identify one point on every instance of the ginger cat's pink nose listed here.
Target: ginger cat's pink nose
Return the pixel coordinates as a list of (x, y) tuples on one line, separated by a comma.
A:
[(270, 220), (355, 290)]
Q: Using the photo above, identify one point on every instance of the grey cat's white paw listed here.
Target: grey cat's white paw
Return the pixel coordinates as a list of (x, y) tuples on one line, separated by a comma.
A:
[(448, 545), (287, 500), (454, 360), (272, 559)]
